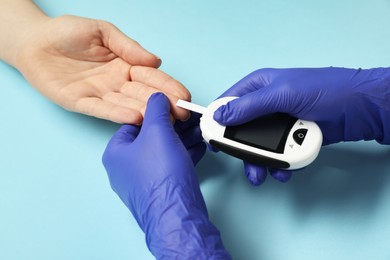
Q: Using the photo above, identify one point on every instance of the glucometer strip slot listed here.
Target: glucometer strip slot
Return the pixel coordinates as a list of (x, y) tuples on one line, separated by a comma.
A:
[(249, 156)]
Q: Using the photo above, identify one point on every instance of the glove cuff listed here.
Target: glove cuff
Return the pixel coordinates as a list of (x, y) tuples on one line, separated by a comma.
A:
[(371, 104), (176, 223), (382, 102)]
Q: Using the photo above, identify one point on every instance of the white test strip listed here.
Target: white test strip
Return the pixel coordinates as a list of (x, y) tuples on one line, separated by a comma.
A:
[(190, 106)]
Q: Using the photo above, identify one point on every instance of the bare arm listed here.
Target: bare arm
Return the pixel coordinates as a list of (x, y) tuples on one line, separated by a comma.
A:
[(17, 18)]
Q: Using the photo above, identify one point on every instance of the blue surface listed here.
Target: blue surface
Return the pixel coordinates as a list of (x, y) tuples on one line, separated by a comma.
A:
[(55, 199)]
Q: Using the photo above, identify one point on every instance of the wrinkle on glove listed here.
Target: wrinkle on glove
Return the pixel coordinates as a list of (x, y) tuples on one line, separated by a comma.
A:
[(184, 220), (347, 104), (153, 173)]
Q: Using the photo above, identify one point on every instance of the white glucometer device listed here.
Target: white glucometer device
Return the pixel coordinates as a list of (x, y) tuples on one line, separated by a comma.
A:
[(276, 140)]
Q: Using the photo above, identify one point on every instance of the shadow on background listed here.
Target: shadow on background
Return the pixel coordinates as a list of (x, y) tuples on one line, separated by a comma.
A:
[(213, 165), (229, 184), (345, 179), (344, 176), (81, 122)]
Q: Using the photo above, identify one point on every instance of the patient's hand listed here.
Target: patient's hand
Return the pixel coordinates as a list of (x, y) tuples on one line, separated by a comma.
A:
[(89, 66)]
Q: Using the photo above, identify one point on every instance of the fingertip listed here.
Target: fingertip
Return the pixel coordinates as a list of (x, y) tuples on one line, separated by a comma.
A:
[(281, 175), (158, 97), (226, 115), (219, 115), (157, 109), (159, 62), (255, 174), (257, 180), (158, 102), (150, 60), (179, 113), (187, 117)]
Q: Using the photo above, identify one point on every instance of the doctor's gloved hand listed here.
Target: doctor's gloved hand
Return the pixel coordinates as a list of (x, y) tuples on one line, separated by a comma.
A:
[(347, 104), (153, 173)]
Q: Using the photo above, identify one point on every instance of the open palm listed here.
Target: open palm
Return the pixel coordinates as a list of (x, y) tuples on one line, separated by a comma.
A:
[(89, 66)]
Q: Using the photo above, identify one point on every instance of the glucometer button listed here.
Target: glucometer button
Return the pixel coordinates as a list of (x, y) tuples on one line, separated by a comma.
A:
[(299, 135)]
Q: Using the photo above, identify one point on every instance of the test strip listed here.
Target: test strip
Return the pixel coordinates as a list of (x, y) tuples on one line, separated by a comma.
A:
[(190, 106)]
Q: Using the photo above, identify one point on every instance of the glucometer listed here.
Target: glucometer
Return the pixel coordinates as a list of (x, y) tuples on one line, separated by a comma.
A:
[(276, 140)]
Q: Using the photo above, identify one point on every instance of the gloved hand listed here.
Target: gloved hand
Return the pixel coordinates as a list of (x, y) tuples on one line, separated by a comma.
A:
[(153, 173), (347, 104), (191, 136)]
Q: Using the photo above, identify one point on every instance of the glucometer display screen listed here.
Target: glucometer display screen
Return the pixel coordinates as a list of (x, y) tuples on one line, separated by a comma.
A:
[(268, 132)]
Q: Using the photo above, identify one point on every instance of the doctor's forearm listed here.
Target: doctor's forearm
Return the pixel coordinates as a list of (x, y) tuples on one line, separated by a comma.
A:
[(18, 18)]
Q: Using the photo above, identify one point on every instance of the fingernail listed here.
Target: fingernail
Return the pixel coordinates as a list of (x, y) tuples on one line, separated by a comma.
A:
[(159, 62)]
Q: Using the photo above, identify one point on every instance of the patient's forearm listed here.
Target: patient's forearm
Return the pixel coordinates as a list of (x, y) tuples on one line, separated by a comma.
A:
[(17, 19)]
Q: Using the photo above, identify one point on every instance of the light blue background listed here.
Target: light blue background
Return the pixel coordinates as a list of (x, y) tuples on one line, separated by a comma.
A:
[(55, 199)]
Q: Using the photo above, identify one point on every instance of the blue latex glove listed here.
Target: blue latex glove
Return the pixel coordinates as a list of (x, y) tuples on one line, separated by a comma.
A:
[(191, 136), (153, 173), (347, 104)]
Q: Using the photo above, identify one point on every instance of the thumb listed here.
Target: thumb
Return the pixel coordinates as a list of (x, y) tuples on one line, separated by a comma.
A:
[(157, 111), (126, 48), (255, 104)]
